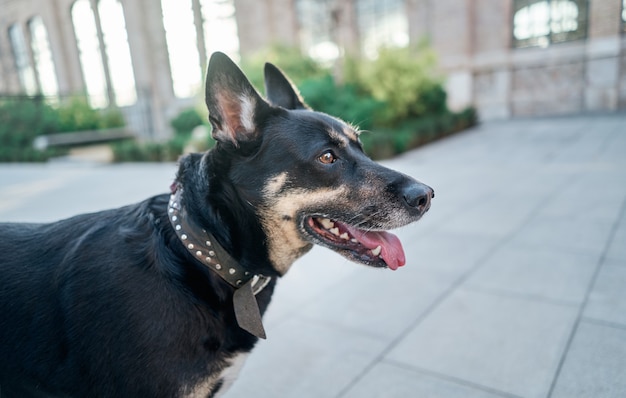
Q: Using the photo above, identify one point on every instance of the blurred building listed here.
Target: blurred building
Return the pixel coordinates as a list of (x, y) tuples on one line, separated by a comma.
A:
[(506, 57)]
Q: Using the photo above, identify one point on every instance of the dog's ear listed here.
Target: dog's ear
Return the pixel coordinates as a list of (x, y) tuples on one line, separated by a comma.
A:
[(235, 107), (280, 90)]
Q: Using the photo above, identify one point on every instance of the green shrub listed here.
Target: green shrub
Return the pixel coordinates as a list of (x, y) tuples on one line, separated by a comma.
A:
[(323, 95), (404, 80), (134, 151), (24, 119), (289, 59), (21, 121), (387, 142), (186, 120), (77, 115), (111, 118)]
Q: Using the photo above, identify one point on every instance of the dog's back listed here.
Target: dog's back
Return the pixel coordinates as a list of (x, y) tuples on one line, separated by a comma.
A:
[(53, 308), (81, 294)]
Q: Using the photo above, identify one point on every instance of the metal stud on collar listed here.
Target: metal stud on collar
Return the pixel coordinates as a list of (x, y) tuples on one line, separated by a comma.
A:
[(202, 247)]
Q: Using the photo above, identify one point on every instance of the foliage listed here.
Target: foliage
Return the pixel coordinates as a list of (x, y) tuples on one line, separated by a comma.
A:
[(323, 95), (24, 119), (186, 120), (77, 115), (387, 142), (404, 79), (20, 122), (184, 125), (134, 151), (289, 59)]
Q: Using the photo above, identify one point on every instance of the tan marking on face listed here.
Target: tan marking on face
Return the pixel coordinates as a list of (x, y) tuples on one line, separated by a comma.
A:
[(285, 242), (275, 184), (350, 133), (338, 138)]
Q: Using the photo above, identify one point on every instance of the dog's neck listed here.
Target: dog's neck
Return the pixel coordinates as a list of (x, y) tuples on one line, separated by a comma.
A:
[(206, 250)]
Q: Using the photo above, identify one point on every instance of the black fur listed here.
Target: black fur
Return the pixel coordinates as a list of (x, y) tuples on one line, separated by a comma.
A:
[(111, 304)]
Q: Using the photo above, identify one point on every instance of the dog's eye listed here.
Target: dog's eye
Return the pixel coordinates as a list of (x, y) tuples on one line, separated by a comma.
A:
[(327, 158)]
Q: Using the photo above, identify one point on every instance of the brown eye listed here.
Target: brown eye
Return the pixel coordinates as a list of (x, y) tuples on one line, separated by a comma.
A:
[(327, 158)]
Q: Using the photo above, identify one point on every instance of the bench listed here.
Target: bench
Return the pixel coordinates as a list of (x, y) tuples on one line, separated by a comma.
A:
[(82, 137)]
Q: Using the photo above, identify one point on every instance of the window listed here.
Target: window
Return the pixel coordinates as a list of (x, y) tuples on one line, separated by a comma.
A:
[(541, 23), (25, 71), (90, 54), (382, 23), (117, 51), (180, 35), (220, 27), (43, 58), (316, 25)]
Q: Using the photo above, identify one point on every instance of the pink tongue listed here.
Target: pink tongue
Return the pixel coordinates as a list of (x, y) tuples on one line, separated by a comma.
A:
[(392, 252)]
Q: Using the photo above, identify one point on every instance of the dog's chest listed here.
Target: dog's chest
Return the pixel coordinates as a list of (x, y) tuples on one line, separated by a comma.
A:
[(219, 383)]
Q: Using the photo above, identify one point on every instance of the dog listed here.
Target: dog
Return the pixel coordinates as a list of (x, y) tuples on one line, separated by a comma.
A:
[(164, 298)]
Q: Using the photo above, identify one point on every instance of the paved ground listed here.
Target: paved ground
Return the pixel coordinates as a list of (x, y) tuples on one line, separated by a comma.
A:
[(515, 284)]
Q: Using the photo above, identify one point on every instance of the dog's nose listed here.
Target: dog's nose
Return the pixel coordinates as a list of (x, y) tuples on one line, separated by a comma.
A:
[(418, 196)]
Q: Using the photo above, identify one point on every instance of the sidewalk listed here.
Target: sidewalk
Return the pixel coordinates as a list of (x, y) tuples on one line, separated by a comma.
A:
[(515, 283)]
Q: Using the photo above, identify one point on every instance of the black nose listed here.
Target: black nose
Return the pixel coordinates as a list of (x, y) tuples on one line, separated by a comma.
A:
[(417, 196)]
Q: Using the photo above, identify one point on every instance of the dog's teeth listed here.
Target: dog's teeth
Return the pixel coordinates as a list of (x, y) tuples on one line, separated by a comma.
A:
[(344, 236), (334, 231), (376, 251), (354, 240), (326, 223)]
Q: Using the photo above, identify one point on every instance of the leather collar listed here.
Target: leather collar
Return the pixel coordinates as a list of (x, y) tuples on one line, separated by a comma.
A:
[(205, 248)]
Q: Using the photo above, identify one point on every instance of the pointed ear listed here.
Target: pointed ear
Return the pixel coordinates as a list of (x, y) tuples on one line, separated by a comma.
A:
[(235, 107), (280, 90)]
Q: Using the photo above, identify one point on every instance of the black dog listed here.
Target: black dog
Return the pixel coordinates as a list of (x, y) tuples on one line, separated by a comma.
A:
[(159, 299)]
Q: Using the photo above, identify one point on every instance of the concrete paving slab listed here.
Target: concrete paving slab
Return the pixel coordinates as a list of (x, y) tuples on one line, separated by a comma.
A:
[(543, 274), (303, 359), (595, 365), (306, 282), (378, 303), (592, 197), (565, 234), (47, 193), (607, 301), (498, 216), (617, 246), (505, 343), (388, 380), (447, 255)]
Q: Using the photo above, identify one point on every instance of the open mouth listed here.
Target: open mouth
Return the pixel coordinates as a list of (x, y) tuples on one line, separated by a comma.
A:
[(374, 248)]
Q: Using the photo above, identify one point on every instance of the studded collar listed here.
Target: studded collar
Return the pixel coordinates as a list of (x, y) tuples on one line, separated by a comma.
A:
[(205, 248)]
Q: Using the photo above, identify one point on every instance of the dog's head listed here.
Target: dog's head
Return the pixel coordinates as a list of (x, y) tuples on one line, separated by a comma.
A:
[(304, 174)]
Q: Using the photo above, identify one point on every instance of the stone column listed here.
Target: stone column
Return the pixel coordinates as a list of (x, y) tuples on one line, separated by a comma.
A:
[(453, 40), (491, 58), (148, 48), (198, 22), (603, 53), (56, 15), (262, 23), (419, 13)]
